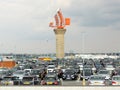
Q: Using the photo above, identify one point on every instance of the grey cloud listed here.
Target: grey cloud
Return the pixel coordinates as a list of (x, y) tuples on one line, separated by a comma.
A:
[(102, 14)]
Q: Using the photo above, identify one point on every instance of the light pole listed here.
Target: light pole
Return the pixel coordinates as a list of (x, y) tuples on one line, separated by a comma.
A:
[(47, 48), (83, 82)]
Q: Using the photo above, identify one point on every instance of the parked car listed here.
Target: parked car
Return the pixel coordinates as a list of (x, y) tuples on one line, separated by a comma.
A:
[(51, 68), (27, 71), (63, 68), (116, 71), (69, 74), (19, 73), (10, 80), (96, 80), (35, 72), (86, 73), (30, 80), (76, 68), (116, 80), (98, 65), (105, 73), (3, 72), (109, 67), (51, 79)]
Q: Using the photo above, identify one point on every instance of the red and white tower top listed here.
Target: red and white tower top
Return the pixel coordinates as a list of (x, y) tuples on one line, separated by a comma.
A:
[(60, 21)]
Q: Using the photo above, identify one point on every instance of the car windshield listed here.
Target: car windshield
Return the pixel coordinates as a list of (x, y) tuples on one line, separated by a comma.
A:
[(7, 78), (97, 78), (69, 71), (15, 78), (50, 78), (104, 72), (19, 72), (116, 78), (109, 66), (88, 72), (88, 66), (2, 72), (35, 71), (52, 67)]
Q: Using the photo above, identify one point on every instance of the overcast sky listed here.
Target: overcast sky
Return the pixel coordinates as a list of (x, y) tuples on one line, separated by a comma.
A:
[(24, 25)]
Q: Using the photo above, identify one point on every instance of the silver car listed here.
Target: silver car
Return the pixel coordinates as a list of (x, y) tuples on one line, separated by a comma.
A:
[(7, 81), (96, 80), (116, 80), (19, 74), (105, 73)]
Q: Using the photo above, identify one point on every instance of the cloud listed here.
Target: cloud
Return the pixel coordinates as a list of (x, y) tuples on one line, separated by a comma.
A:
[(24, 24), (96, 14)]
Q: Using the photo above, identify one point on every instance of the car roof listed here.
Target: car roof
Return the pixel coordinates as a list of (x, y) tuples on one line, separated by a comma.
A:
[(116, 76), (97, 75)]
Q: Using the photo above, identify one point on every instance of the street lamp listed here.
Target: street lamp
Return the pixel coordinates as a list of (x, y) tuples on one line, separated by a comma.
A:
[(83, 82)]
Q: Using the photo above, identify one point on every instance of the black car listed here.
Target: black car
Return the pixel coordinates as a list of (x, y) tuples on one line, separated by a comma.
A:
[(69, 74), (77, 69), (51, 79)]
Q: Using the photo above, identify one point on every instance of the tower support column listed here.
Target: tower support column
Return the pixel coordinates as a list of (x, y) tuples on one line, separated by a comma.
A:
[(59, 33)]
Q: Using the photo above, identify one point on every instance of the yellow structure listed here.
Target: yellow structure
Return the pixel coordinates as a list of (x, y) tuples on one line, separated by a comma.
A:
[(45, 59)]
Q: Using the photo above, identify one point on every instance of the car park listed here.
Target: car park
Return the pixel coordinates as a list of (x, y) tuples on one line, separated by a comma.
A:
[(40, 70)]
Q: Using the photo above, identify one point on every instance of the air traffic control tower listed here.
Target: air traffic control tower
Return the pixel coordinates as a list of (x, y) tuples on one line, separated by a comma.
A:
[(59, 30)]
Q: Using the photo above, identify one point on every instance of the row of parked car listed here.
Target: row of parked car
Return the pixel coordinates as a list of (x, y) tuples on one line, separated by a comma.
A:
[(106, 72), (35, 72), (97, 72)]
